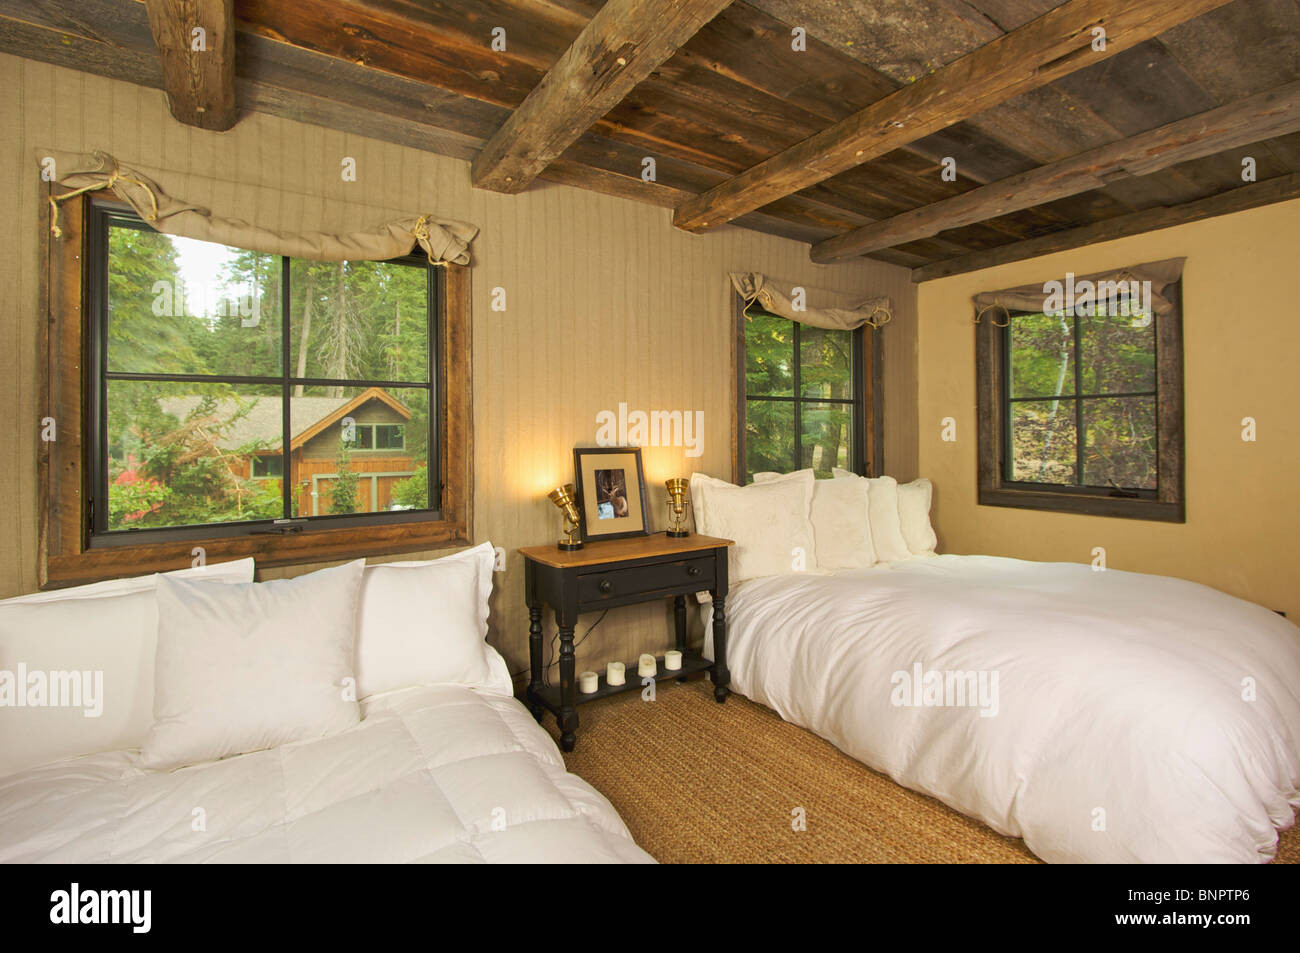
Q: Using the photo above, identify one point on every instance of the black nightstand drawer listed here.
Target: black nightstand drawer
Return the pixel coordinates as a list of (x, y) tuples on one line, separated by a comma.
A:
[(618, 583)]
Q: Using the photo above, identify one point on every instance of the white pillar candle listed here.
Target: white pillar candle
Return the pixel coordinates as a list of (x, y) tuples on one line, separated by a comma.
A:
[(672, 660), (647, 666), (615, 673), (588, 682)]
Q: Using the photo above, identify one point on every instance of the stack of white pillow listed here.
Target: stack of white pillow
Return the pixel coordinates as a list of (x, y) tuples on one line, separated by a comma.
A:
[(792, 522), (204, 663)]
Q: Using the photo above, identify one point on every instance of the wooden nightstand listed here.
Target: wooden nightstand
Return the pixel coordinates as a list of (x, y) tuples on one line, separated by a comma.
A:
[(620, 572)]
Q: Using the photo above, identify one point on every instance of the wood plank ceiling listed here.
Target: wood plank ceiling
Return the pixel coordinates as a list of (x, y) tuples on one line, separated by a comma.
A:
[(1040, 165)]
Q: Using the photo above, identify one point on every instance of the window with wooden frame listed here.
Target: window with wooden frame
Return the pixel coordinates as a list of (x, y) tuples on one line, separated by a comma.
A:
[(805, 397), (212, 403), (1081, 410)]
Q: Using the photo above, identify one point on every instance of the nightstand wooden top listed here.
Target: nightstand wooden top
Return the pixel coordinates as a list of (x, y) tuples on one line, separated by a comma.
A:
[(613, 550)]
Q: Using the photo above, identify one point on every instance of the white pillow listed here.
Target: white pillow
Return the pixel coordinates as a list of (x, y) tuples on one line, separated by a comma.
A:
[(914, 516), (839, 520), (882, 512), (701, 483), (236, 570), (246, 667), (107, 629), (769, 523), (767, 476), (426, 622)]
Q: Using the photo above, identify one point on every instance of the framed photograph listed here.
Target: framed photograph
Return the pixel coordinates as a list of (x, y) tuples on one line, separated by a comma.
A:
[(611, 492)]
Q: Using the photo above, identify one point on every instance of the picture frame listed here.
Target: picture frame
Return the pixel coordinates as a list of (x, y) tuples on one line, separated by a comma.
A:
[(611, 504)]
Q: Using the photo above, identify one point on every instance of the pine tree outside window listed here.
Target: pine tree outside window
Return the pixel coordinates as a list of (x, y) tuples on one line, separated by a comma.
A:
[(803, 397), (216, 371)]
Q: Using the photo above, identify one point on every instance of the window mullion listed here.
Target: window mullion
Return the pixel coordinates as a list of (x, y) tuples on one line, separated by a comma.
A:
[(1007, 465), (433, 450), (798, 400), (286, 417), (1079, 436)]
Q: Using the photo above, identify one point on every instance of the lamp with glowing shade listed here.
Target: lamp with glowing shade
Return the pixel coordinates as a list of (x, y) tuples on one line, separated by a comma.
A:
[(562, 497)]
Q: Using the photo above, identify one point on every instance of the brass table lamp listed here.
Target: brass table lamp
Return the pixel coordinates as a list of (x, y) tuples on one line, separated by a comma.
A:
[(562, 497), (677, 507)]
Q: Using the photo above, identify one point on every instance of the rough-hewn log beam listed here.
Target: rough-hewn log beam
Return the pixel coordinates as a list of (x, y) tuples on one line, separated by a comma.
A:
[(296, 84), (624, 42), (196, 45), (1281, 188), (1275, 112), (1054, 45)]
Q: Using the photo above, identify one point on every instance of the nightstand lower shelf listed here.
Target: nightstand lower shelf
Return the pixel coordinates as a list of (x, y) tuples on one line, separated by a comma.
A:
[(692, 662)]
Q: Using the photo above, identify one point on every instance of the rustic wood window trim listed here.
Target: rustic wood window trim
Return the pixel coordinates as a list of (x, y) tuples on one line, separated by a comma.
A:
[(867, 431), (64, 555), (1168, 503)]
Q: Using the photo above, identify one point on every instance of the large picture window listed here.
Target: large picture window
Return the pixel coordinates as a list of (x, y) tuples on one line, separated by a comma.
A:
[(213, 402), (803, 397), (249, 391)]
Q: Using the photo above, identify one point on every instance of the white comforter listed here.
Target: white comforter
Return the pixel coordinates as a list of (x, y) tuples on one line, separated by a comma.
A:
[(437, 774), (1126, 728)]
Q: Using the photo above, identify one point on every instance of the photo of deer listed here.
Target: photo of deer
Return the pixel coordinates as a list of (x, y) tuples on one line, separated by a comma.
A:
[(611, 494)]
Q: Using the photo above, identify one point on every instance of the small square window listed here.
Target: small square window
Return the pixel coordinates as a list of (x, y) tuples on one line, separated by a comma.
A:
[(268, 466), (389, 437), (1080, 408)]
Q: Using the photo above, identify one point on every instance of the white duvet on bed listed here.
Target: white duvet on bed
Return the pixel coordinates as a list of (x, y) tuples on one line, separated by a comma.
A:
[(1121, 732), (436, 774)]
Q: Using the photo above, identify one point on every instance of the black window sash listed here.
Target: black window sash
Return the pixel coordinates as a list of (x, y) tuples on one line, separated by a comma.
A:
[(857, 438), (1077, 399), (106, 215)]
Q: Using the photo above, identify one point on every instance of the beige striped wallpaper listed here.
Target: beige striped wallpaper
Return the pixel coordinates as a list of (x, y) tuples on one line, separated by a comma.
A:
[(606, 303)]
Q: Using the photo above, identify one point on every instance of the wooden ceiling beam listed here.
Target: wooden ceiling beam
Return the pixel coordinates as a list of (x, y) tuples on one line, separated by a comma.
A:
[(1281, 188), (296, 84), (624, 42), (196, 46), (1269, 114), (1054, 45)]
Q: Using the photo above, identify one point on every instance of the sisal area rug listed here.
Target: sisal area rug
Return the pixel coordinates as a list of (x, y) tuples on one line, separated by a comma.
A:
[(699, 782)]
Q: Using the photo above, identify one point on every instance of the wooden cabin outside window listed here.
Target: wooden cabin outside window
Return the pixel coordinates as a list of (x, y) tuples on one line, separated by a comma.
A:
[(1082, 412), (187, 379)]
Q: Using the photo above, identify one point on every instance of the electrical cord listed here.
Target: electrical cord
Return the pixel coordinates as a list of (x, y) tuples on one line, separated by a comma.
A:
[(546, 672)]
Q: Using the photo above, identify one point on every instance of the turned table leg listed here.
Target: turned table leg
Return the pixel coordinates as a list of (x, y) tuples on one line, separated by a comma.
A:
[(535, 662), (679, 621), (721, 674), (567, 719)]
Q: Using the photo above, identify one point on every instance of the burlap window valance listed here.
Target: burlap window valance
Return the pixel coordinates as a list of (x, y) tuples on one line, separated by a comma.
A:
[(756, 289), (443, 240), (1119, 291)]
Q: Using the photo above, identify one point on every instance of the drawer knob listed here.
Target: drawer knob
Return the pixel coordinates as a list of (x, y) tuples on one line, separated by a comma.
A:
[(606, 586), (692, 570)]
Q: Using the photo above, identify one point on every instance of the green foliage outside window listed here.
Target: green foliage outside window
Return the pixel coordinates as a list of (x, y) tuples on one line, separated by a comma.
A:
[(181, 453), (343, 488), (413, 493), (785, 430), (1081, 402)]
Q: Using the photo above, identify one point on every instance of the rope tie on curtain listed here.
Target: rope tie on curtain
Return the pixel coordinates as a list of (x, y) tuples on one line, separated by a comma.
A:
[(996, 324), (421, 232), (886, 317), (114, 177)]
